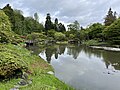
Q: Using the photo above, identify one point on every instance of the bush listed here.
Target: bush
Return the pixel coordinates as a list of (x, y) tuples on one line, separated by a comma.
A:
[(11, 61), (59, 36), (6, 35), (36, 36)]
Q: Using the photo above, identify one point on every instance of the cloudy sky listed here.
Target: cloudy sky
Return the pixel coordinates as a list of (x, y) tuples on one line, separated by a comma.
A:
[(67, 11)]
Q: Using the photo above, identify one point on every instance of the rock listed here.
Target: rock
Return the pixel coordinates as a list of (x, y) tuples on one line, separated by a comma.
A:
[(16, 87), (23, 82), (50, 72), (25, 76), (30, 81)]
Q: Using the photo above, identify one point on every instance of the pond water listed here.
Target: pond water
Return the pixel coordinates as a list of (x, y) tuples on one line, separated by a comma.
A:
[(84, 68)]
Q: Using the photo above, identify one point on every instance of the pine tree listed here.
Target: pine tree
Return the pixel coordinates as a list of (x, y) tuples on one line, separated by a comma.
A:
[(110, 17), (48, 23), (56, 27), (10, 13), (62, 27)]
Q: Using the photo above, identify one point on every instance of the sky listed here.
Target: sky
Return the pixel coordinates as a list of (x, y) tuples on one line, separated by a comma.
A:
[(85, 12)]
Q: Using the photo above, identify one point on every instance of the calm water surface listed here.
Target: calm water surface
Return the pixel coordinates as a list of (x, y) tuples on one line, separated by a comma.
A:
[(84, 68)]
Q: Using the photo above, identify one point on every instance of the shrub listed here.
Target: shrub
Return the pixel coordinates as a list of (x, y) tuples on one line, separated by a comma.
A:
[(11, 61)]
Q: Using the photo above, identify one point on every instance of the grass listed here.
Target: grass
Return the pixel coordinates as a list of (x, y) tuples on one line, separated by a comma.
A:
[(94, 42), (37, 70)]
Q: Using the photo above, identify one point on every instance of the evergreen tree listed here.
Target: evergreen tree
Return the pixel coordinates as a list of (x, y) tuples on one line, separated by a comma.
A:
[(56, 27), (61, 27), (48, 23), (110, 18), (112, 33), (56, 21), (10, 13)]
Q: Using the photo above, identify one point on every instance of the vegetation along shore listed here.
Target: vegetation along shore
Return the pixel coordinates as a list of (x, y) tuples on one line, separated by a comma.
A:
[(21, 69)]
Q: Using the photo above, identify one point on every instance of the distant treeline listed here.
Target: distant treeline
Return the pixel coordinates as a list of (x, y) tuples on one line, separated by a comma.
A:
[(108, 32)]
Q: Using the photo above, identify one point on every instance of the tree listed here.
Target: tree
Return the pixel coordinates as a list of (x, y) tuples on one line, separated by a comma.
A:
[(74, 26), (48, 23), (56, 27), (36, 17), (110, 17), (19, 26), (61, 27), (10, 13), (56, 21), (32, 25), (112, 32), (5, 24), (95, 31), (74, 30), (6, 34)]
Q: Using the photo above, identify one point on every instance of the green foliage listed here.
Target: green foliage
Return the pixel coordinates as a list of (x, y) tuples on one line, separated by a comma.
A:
[(4, 22), (91, 42), (95, 31), (32, 26), (61, 27), (110, 18), (51, 33), (22, 25), (83, 35), (19, 25), (10, 13), (39, 38), (112, 32), (59, 36), (74, 26), (71, 36), (6, 35), (48, 23), (11, 62), (20, 57)]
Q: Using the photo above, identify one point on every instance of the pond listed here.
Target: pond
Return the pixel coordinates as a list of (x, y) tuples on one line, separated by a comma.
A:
[(84, 68)]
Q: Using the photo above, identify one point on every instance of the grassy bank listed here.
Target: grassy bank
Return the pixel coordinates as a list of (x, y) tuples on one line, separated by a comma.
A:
[(94, 43), (37, 70)]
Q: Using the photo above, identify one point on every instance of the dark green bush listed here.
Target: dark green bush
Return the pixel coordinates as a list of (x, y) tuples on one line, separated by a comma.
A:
[(11, 62)]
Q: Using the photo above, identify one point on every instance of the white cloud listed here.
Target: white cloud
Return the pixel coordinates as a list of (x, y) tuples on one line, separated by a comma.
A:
[(85, 11)]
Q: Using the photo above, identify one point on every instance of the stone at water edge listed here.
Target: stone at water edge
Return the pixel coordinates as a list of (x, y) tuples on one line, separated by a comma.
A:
[(16, 87), (22, 82), (50, 72)]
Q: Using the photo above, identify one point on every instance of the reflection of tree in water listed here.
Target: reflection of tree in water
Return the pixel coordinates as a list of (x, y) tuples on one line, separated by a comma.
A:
[(112, 58), (74, 50), (55, 50), (92, 51), (61, 49)]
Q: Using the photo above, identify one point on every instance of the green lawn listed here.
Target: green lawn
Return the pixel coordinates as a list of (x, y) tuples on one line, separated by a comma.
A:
[(37, 69)]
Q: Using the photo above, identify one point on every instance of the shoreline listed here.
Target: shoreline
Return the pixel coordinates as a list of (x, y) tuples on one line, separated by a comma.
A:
[(41, 72), (107, 48)]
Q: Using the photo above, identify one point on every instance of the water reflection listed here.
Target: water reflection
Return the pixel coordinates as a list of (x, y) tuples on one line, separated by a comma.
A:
[(57, 50), (84, 68), (111, 59)]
